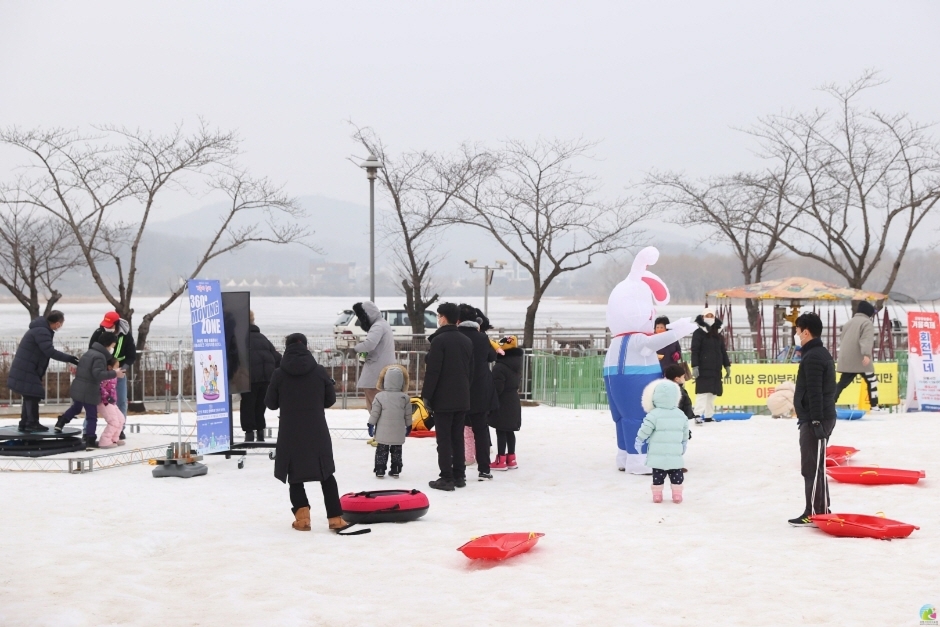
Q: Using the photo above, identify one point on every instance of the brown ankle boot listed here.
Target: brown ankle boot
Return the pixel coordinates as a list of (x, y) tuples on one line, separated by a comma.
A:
[(302, 519), (337, 523)]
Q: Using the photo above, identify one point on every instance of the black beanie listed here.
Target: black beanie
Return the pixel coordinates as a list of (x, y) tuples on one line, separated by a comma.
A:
[(865, 307)]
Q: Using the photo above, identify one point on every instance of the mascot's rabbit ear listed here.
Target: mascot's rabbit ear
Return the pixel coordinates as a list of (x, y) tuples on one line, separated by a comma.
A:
[(638, 272)]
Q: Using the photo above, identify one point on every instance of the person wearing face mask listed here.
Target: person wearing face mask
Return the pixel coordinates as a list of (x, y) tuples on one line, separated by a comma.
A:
[(814, 401), (125, 351), (709, 356)]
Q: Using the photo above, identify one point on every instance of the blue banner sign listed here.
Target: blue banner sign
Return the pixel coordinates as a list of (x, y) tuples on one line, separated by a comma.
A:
[(209, 366)]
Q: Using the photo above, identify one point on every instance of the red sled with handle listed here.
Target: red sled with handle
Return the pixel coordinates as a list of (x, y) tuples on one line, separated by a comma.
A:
[(378, 506), (839, 455), (500, 546), (862, 526), (869, 475)]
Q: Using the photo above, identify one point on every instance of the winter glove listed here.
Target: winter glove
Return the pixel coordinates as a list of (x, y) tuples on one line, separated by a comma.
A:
[(818, 430), (638, 445), (407, 431), (73, 360), (676, 357), (728, 372), (371, 428), (695, 372)]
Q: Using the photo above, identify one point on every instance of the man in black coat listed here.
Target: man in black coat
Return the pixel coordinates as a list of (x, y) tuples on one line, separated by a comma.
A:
[(30, 364), (302, 389), (446, 393), (814, 400), (264, 359), (481, 390)]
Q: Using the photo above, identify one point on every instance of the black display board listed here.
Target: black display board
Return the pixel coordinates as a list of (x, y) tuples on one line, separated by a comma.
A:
[(235, 308)]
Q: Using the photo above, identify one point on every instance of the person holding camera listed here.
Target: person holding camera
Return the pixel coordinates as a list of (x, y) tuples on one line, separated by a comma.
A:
[(814, 400)]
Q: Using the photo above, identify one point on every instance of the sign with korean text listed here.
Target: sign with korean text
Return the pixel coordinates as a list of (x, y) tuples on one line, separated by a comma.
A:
[(750, 384), (923, 361), (209, 366)]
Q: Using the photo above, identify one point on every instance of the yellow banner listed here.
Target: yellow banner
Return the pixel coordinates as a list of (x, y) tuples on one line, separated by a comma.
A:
[(751, 384)]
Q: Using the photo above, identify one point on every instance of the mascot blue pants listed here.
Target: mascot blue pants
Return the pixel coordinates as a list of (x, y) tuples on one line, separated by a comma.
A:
[(625, 383)]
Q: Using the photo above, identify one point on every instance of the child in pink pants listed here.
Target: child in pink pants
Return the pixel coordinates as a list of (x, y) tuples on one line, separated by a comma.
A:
[(109, 410)]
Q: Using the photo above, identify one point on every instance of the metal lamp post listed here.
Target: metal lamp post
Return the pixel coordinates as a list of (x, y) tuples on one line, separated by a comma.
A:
[(487, 279), (371, 166)]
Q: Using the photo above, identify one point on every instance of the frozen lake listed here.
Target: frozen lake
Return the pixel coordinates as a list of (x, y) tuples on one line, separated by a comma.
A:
[(314, 315)]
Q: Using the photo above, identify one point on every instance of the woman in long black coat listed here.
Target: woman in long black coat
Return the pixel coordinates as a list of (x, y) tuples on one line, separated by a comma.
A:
[(507, 375), (668, 355), (301, 389), (709, 356)]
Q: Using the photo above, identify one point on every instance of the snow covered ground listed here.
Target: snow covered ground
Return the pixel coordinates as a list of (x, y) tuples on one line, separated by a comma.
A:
[(118, 547)]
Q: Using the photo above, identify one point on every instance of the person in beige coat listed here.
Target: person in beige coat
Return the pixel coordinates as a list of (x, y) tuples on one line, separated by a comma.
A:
[(856, 348), (780, 403)]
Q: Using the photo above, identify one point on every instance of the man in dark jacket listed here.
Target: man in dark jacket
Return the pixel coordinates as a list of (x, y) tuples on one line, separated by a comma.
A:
[(481, 390), (302, 389), (125, 351), (264, 359), (446, 393), (814, 400), (30, 364)]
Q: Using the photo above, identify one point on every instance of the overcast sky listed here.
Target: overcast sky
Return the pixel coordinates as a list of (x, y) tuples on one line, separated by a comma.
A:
[(661, 84)]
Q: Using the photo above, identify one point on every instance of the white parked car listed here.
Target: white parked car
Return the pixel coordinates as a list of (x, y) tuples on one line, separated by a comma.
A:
[(347, 332)]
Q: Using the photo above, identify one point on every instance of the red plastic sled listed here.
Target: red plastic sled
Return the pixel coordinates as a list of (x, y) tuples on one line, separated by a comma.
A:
[(839, 455), (862, 526), (421, 434), (868, 475), (499, 546), (384, 506)]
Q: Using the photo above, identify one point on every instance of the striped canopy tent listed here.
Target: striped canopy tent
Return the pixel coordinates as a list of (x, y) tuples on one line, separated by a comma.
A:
[(795, 292)]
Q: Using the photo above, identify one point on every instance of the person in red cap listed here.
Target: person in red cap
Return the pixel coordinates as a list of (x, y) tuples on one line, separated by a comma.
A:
[(124, 351)]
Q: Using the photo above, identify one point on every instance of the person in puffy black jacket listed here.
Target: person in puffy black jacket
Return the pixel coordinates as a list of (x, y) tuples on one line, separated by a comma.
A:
[(302, 389), (814, 401), (446, 393), (709, 356), (507, 376), (481, 390), (264, 359), (29, 367)]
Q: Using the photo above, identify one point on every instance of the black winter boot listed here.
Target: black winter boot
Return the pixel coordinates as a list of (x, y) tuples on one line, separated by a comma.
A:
[(442, 484), (60, 423), (260, 435), (90, 441), (380, 473), (249, 436), (395, 471)]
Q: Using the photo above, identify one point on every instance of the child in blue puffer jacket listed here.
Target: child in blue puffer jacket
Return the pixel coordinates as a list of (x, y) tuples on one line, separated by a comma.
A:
[(667, 429)]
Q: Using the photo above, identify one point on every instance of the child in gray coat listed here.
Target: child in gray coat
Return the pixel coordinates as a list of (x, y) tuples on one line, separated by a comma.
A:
[(390, 418)]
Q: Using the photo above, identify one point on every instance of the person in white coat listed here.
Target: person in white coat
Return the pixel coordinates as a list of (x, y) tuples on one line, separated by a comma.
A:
[(379, 347)]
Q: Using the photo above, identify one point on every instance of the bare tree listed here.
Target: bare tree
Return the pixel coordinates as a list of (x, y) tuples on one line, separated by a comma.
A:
[(419, 195), (35, 252), (542, 210), (863, 181), (88, 183), (742, 210)]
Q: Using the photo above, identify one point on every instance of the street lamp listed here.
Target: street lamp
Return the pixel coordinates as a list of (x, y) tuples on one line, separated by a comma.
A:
[(371, 166), (487, 279)]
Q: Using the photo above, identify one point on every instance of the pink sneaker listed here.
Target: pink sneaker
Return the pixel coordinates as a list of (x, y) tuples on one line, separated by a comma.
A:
[(499, 464), (676, 493), (657, 493), (511, 462)]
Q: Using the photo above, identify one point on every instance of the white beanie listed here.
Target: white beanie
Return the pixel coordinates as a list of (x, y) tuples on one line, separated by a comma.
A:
[(708, 312)]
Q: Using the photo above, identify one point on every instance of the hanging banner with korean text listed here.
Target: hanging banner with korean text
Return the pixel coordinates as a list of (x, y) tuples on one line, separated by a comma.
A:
[(209, 366), (923, 361)]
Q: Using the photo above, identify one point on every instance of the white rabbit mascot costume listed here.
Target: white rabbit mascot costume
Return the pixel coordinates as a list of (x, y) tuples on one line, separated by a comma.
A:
[(632, 362)]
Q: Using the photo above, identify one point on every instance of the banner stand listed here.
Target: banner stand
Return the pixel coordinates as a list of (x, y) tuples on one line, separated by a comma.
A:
[(181, 460)]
